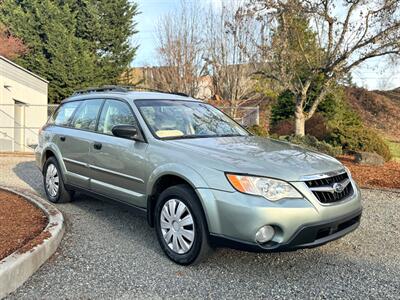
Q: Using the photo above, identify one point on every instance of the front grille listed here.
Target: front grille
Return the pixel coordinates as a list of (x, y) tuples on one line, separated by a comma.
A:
[(330, 196)]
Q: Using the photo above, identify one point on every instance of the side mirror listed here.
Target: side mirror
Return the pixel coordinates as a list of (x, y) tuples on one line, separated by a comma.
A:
[(125, 131)]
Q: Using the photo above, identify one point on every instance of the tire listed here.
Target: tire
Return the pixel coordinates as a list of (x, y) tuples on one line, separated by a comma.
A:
[(61, 195), (197, 249)]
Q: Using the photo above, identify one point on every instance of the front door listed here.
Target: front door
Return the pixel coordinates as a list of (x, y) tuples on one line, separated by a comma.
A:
[(118, 164)]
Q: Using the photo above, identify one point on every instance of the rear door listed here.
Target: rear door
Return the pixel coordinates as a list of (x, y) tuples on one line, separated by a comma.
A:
[(74, 142), (118, 164)]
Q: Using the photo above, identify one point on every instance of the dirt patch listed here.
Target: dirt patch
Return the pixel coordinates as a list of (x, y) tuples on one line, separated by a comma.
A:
[(21, 224), (386, 176)]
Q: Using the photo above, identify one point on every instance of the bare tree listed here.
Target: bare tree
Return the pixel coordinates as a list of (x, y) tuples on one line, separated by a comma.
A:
[(229, 55), (179, 51), (347, 33), (205, 52)]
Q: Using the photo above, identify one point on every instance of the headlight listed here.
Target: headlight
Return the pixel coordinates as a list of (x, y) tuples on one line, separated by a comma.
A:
[(271, 189)]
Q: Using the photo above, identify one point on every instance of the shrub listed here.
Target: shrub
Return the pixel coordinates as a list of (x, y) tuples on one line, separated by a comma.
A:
[(336, 123), (316, 126), (258, 130), (283, 127), (360, 139), (312, 143)]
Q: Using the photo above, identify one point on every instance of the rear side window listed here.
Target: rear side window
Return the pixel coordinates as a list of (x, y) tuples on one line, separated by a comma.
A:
[(115, 113), (86, 115), (64, 114)]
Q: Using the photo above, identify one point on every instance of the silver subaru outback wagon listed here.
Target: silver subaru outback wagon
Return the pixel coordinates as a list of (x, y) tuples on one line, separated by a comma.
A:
[(200, 178)]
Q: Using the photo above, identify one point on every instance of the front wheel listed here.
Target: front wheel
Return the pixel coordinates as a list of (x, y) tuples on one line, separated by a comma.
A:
[(180, 225), (53, 182)]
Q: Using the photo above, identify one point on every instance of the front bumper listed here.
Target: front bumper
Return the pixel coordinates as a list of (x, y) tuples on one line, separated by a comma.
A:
[(308, 236), (234, 218)]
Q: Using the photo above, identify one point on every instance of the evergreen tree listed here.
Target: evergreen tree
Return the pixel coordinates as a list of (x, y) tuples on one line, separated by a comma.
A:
[(55, 53), (73, 43), (108, 26)]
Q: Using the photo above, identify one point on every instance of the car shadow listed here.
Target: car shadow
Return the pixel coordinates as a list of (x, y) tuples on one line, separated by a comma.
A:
[(29, 173), (116, 215)]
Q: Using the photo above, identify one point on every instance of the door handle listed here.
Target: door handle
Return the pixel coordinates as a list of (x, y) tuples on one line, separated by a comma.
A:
[(97, 145), (62, 138)]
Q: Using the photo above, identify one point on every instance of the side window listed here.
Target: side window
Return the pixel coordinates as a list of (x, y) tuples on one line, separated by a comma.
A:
[(86, 115), (63, 115), (114, 113)]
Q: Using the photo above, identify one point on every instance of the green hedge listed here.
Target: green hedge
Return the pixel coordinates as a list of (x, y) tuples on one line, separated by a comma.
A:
[(258, 130), (360, 139)]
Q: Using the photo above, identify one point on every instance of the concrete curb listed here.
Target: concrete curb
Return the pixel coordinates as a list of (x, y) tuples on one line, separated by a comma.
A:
[(16, 268)]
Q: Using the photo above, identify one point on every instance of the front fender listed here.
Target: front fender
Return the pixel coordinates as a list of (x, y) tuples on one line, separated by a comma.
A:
[(185, 172)]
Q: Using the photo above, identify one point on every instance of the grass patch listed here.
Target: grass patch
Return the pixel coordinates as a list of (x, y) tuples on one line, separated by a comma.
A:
[(395, 150)]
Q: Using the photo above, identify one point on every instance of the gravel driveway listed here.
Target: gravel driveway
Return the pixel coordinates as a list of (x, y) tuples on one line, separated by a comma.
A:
[(110, 252)]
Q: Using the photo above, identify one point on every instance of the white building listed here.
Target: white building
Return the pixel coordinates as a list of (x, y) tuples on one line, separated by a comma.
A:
[(23, 106)]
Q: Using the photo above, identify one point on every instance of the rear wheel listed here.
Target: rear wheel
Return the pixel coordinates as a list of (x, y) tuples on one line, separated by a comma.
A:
[(54, 184), (180, 225)]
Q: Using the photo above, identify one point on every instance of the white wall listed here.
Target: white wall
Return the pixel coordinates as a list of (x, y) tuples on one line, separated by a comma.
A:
[(19, 85)]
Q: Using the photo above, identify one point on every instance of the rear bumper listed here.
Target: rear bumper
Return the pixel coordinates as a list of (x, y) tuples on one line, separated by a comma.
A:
[(307, 236)]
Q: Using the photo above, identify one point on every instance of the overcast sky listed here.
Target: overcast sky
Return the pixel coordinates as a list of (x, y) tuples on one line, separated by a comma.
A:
[(377, 74)]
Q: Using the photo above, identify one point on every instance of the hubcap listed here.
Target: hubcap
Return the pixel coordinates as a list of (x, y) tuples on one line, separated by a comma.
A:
[(177, 226), (52, 180)]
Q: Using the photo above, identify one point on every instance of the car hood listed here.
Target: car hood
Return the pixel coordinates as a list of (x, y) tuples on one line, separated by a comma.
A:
[(257, 156)]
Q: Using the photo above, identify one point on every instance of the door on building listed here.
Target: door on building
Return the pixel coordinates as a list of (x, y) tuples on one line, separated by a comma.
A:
[(19, 126)]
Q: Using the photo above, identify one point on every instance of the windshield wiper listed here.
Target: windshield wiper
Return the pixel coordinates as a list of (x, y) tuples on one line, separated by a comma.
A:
[(229, 135), (200, 136), (188, 137)]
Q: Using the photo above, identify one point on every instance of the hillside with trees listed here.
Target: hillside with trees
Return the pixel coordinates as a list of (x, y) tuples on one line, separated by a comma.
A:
[(379, 109)]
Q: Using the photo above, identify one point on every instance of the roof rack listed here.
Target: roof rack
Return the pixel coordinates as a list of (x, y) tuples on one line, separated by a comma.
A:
[(123, 89), (104, 88)]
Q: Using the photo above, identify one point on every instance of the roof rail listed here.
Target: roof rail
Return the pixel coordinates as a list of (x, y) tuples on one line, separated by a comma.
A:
[(123, 89), (138, 88), (104, 88)]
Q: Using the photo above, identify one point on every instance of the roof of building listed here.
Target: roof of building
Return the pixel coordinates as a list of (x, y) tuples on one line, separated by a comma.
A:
[(21, 68)]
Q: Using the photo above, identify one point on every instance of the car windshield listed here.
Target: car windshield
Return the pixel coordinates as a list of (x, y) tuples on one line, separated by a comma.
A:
[(175, 119)]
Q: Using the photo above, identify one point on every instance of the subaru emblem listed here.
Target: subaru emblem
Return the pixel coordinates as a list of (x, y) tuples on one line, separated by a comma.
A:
[(338, 187)]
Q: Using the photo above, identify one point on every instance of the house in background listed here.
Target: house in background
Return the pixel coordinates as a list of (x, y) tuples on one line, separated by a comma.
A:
[(145, 77), (23, 106)]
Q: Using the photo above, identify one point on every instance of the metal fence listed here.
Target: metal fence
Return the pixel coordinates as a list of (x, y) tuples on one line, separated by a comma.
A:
[(20, 124), (247, 116)]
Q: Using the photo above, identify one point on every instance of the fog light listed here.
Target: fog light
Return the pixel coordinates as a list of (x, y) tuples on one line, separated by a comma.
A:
[(265, 234)]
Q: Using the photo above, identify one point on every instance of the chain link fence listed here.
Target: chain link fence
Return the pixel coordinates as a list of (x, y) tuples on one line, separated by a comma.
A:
[(246, 116), (20, 124)]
